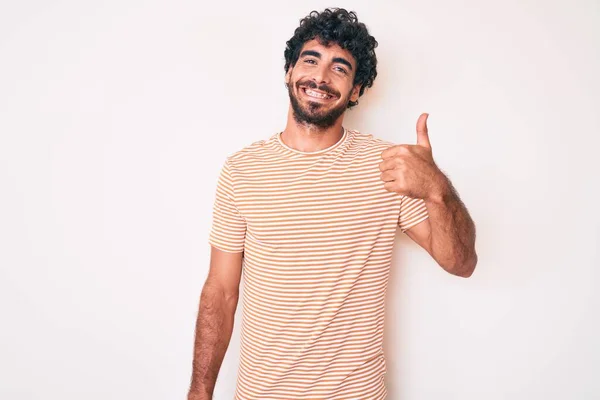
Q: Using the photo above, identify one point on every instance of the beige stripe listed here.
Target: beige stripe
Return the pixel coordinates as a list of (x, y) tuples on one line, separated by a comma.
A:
[(317, 231)]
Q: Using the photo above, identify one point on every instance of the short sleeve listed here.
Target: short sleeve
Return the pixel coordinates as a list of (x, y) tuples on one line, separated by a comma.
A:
[(412, 211), (228, 230)]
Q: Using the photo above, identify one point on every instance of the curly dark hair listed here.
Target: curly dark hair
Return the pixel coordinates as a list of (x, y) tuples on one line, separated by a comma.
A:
[(336, 25)]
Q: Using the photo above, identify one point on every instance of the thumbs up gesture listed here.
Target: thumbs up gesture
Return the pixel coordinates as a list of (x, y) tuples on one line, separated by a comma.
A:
[(410, 169)]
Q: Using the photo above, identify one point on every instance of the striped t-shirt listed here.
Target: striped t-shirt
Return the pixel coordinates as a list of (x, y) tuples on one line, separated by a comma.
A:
[(317, 231)]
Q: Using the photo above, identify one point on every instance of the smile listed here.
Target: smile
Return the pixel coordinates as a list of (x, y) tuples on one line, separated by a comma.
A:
[(316, 94)]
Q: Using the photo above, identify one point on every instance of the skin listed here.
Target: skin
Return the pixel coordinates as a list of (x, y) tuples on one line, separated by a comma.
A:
[(326, 69), (448, 235), (214, 326)]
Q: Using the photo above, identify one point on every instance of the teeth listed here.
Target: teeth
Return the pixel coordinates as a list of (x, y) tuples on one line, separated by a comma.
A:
[(316, 94)]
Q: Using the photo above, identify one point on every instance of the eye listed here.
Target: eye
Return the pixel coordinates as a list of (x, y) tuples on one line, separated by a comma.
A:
[(310, 61), (342, 70)]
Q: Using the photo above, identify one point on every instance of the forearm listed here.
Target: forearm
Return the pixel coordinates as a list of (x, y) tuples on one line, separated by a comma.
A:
[(452, 230), (213, 333)]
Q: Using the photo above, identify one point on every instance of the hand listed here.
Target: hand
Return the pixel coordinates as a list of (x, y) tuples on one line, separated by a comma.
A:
[(410, 169)]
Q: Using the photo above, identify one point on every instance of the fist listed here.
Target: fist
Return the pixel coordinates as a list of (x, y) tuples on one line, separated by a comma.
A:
[(410, 169)]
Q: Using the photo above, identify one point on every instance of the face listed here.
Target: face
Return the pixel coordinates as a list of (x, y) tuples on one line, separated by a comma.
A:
[(320, 84)]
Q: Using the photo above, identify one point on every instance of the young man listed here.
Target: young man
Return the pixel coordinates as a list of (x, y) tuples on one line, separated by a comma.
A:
[(311, 215)]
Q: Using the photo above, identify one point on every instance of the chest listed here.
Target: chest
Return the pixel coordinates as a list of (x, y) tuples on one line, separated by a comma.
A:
[(317, 204)]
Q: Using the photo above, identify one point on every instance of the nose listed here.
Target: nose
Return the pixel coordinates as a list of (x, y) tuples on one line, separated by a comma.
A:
[(321, 74)]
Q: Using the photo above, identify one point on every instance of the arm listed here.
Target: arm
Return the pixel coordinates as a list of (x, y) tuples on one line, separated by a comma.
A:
[(448, 234), (214, 325)]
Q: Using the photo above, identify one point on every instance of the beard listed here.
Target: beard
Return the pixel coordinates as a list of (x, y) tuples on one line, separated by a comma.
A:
[(314, 113)]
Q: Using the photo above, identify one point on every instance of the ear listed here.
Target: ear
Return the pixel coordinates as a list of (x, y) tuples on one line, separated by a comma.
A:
[(288, 76), (355, 93)]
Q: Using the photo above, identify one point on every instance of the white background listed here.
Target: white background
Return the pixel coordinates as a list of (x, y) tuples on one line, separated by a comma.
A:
[(115, 118)]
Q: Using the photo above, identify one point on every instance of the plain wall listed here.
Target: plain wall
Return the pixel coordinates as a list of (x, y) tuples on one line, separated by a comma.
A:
[(115, 118)]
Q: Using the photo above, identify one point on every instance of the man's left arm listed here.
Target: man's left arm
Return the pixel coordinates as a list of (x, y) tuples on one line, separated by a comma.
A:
[(448, 235), (449, 232)]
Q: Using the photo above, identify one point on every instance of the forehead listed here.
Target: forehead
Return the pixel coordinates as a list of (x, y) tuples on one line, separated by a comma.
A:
[(328, 52)]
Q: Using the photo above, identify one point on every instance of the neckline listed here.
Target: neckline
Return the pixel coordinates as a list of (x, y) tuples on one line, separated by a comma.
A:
[(311, 153)]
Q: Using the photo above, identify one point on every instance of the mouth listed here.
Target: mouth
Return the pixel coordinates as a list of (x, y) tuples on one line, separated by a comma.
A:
[(317, 94)]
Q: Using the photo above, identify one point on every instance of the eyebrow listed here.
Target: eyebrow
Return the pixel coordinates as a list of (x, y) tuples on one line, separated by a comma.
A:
[(318, 55)]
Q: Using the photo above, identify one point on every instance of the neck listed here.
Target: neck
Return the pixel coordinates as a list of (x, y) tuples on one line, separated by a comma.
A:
[(310, 138)]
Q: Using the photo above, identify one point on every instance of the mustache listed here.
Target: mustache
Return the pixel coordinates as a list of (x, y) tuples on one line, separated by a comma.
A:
[(323, 88)]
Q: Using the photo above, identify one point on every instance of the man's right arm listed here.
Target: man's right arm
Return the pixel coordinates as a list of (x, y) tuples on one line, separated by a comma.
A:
[(218, 302)]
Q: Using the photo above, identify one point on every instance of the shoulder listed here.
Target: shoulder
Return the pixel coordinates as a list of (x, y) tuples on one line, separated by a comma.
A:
[(253, 153), (368, 142)]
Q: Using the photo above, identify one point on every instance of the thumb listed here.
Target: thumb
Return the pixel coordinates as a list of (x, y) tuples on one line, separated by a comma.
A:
[(422, 134)]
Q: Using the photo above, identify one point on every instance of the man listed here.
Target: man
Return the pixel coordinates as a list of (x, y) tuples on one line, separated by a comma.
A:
[(310, 215)]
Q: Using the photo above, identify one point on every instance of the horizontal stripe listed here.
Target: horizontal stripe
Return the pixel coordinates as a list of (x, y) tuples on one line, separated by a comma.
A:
[(317, 232)]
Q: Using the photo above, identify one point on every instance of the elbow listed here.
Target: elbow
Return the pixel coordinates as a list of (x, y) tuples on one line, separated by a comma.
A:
[(465, 269)]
